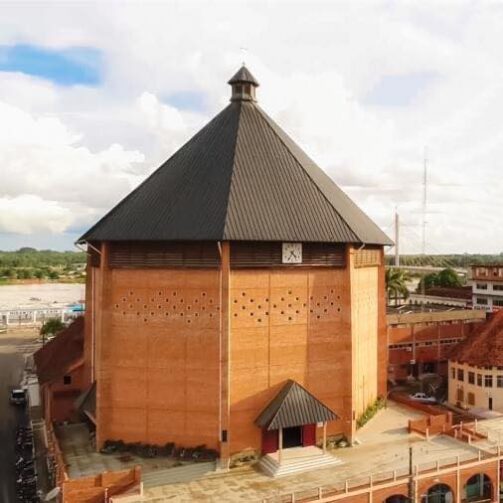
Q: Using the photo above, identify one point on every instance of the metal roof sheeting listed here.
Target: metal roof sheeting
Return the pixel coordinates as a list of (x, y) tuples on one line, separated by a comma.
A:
[(294, 406), (240, 178)]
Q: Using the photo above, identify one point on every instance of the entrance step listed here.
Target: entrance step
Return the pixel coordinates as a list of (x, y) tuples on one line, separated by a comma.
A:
[(295, 460), (186, 473)]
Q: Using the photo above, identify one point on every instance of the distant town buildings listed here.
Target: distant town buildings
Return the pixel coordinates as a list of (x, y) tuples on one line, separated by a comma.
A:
[(487, 287)]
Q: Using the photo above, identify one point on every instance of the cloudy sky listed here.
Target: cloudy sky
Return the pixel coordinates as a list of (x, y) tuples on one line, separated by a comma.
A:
[(94, 96)]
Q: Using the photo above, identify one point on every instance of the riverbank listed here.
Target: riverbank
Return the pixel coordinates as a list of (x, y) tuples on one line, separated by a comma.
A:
[(40, 295)]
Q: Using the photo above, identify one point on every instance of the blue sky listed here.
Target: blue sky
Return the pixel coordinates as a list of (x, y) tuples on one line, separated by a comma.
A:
[(71, 66)]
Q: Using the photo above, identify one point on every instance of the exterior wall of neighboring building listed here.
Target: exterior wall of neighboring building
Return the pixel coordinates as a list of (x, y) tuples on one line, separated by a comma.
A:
[(417, 346), (59, 396), (475, 387), (487, 287)]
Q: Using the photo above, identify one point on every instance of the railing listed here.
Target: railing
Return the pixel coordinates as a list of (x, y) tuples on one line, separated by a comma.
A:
[(372, 482)]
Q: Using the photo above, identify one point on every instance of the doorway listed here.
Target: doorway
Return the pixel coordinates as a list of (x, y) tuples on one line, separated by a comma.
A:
[(292, 437), (490, 403)]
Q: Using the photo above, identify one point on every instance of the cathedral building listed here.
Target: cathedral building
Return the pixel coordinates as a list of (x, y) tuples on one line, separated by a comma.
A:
[(236, 297)]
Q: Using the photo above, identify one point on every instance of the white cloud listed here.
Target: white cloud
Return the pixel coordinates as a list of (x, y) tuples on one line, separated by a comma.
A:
[(30, 214)]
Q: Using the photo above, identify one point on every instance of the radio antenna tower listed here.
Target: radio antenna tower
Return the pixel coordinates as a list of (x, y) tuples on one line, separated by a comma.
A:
[(425, 199)]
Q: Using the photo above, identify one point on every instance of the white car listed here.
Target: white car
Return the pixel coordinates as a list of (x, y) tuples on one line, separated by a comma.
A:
[(17, 397), (422, 397)]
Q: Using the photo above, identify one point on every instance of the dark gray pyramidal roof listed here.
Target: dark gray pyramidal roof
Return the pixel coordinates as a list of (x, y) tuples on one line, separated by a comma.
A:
[(241, 177), (294, 406)]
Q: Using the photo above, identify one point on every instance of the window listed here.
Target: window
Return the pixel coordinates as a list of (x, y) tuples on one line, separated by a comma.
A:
[(67, 380), (471, 398), (461, 375), (482, 286), (453, 373), (481, 271), (498, 288), (481, 301), (460, 395), (498, 302), (471, 377), (499, 381), (488, 381), (479, 379)]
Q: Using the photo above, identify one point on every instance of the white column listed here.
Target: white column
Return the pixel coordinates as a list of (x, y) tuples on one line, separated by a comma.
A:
[(34, 316), (324, 437), (280, 445)]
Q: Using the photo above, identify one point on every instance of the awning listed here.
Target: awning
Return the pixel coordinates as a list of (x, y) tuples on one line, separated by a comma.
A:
[(294, 406)]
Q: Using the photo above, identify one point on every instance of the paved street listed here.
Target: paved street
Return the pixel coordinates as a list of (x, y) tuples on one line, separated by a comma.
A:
[(13, 347)]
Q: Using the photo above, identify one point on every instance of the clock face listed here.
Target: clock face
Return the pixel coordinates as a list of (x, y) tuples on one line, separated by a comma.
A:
[(292, 253)]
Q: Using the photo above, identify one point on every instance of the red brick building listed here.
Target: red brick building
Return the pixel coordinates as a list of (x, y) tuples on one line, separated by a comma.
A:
[(236, 268), (61, 375), (421, 342)]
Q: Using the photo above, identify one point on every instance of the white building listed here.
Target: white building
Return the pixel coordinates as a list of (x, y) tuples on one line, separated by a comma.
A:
[(487, 287), (476, 368)]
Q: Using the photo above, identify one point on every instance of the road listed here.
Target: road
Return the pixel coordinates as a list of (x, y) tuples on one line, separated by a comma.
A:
[(13, 346)]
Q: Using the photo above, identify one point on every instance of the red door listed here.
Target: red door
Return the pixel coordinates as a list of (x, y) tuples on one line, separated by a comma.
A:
[(269, 441), (309, 435)]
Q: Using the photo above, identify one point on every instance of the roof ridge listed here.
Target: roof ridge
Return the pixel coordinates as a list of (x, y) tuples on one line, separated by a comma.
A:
[(233, 170), (267, 120)]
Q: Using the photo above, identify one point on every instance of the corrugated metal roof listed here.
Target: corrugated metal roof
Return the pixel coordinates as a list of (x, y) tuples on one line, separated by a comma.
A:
[(240, 178), (294, 406)]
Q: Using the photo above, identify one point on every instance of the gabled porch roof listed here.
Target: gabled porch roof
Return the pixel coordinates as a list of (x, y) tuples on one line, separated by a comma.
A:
[(294, 406)]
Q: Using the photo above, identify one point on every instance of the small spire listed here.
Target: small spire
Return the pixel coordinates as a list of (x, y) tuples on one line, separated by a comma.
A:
[(243, 85)]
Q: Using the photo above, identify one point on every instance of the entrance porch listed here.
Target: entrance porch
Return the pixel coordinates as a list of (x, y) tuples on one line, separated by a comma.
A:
[(289, 424)]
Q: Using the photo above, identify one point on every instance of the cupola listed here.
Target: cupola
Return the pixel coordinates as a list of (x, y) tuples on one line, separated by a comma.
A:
[(243, 85)]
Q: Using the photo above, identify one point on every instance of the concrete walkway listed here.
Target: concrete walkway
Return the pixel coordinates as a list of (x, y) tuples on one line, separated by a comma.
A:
[(384, 447)]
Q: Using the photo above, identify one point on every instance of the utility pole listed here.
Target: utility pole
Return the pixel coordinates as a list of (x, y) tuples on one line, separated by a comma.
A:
[(397, 238), (411, 476), (425, 199)]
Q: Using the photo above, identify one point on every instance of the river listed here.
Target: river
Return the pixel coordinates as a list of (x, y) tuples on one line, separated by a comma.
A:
[(40, 294)]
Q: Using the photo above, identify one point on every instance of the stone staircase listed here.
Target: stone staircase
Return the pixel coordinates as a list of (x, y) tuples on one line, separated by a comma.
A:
[(297, 460), (177, 474)]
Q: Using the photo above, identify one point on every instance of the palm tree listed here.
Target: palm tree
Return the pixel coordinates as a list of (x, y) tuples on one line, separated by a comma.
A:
[(396, 284)]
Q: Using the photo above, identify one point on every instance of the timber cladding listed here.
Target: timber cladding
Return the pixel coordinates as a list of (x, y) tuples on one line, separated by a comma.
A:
[(201, 254), (303, 334)]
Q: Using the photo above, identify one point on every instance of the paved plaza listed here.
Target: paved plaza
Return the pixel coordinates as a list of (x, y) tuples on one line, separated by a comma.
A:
[(383, 447)]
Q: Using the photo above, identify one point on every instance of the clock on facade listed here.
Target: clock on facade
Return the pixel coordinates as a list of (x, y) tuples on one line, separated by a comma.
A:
[(292, 253)]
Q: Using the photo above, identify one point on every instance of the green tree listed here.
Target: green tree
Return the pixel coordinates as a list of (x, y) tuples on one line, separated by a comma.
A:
[(396, 285), (51, 327), (53, 275), (449, 278), (39, 274)]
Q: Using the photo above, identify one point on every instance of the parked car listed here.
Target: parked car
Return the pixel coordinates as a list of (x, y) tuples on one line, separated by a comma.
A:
[(423, 397), (17, 396)]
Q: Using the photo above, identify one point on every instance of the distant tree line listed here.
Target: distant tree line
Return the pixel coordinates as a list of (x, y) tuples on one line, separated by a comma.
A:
[(29, 263), (453, 260)]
